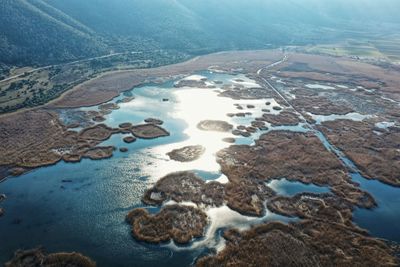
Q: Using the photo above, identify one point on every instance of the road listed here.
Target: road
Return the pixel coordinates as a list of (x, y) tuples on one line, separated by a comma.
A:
[(285, 58), (66, 64), (330, 147)]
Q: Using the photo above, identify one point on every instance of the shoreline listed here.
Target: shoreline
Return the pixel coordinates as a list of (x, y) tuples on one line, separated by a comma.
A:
[(224, 57), (244, 190), (166, 71)]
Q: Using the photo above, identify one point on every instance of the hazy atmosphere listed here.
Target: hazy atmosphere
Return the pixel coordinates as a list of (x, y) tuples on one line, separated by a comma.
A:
[(199, 133)]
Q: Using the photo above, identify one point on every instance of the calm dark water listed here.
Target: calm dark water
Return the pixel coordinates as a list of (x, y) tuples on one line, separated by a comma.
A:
[(82, 207), (383, 221), (289, 188)]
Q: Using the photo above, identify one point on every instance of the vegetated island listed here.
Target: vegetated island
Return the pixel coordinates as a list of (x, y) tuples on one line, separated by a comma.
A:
[(325, 232)]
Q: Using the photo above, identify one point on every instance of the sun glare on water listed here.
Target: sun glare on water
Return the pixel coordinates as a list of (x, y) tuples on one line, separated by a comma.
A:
[(193, 106)]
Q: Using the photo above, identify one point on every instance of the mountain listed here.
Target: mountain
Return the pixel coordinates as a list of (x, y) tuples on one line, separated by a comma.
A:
[(34, 33), (40, 32)]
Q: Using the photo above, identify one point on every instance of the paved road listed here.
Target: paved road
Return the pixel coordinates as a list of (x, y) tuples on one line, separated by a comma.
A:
[(66, 64), (273, 87), (285, 57), (330, 147)]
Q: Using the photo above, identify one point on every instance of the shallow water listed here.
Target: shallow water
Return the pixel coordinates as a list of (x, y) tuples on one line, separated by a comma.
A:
[(385, 124), (291, 188), (319, 86), (354, 116), (223, 217), (82, 207), (382, 221)]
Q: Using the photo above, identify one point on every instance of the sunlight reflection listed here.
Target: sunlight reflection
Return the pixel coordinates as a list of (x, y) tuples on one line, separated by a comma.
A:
[(224, 217), (192, 106)]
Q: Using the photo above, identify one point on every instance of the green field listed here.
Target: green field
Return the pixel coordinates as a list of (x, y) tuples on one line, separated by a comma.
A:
[(387, 48)]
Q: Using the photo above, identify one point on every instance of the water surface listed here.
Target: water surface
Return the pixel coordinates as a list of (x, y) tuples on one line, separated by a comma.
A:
[(82, 206)]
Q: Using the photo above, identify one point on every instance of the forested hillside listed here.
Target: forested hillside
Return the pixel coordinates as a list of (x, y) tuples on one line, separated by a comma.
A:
[(35, 33), (42, 32)]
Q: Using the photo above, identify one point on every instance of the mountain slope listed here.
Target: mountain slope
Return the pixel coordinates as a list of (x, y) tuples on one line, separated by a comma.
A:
[(192, 25), (46, 31), (36, 34), (229, 24)]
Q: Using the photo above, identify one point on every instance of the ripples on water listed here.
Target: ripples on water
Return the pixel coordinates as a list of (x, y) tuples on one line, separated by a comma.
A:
[(82, 207)]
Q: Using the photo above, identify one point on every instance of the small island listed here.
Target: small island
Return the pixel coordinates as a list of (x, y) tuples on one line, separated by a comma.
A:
[(214, 125), (187, 153)]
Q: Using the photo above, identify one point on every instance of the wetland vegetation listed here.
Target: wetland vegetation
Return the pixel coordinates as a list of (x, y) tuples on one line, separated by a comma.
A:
[(154, 134)]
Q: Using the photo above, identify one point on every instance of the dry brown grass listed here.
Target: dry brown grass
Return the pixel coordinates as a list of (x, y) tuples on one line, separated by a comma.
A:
[(307, 243), (294, 156), (376, 155), (185, 186), (109, 85), (38, 258), (179, 223)]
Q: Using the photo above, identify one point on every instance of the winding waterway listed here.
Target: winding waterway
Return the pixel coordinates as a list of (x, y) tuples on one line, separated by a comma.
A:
[(82, 206)]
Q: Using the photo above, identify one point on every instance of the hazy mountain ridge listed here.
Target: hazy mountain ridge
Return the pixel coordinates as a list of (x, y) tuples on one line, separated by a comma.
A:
[(30, 34), (60, 16), (40, 32)]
